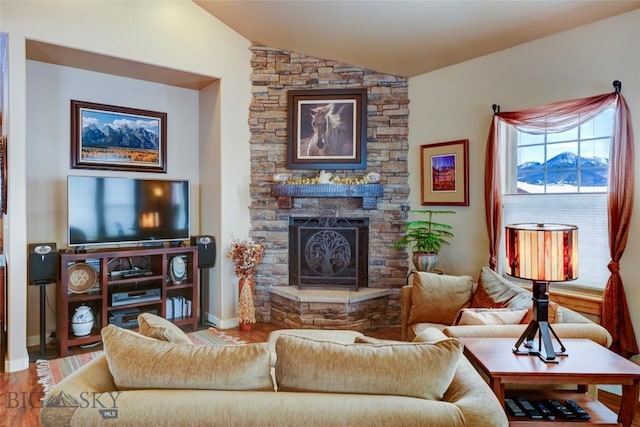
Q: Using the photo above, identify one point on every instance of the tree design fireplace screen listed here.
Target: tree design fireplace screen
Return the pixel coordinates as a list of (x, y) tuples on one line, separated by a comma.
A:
[(328, 252)]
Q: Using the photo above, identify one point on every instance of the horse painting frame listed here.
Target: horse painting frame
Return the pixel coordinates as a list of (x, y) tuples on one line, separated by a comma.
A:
[(327, 129), (444, 168), (135, 139)]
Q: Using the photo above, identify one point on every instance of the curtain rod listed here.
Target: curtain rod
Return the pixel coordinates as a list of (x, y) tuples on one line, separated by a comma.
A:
[(617, 85)]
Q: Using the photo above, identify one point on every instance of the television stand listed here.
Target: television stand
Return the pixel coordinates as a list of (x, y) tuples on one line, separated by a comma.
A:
[(154, 274)]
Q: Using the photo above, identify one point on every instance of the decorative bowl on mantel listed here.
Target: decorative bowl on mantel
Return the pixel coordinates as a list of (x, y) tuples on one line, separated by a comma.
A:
[(372, 177)]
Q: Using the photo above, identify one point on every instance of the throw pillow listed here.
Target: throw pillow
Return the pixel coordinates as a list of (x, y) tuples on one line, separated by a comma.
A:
[(554, 313), (490, 316), (494, 291), (437, 298), (422, 370), (139, 362), (157, 327)]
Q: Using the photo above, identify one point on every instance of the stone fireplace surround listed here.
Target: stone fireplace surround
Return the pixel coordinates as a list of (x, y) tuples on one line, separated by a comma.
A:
[(274, 72)]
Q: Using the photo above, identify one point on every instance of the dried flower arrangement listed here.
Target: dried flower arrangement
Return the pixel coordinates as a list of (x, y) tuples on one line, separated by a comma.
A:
[(246, 254)]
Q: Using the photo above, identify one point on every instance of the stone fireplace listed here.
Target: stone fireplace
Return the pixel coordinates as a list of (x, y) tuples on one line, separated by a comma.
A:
[(284, 293), (328, 252)]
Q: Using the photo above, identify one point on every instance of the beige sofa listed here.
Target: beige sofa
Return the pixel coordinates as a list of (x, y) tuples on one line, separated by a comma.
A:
[(143, 381), (436, 301)]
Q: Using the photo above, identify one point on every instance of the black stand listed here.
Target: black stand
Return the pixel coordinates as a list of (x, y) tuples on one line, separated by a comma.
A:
[(204, 285), (43, 322), (540, 323)]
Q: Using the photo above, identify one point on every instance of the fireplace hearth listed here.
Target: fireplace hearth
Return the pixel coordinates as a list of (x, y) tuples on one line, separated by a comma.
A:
[(328, 252)]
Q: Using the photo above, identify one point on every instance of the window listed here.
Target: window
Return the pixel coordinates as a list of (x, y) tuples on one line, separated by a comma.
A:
[(562, 178)]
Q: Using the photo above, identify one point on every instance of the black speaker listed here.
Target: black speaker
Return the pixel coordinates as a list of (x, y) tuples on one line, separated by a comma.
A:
[(206, 250), (43, 263)]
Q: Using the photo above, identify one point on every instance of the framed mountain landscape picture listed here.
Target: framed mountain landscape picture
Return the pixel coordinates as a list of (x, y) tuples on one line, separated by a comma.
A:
[(445, 173), (117, 138)]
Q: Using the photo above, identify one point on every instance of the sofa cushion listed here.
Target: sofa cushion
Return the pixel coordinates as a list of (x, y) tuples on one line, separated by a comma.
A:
[(437, 298), (494, 291), (333, 335), (371, 340), (157, 327), (422, 370), (554, 314), (490, 316), (139, 362)]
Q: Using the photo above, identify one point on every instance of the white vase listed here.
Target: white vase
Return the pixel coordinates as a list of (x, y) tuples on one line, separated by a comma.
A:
[(82, 321)]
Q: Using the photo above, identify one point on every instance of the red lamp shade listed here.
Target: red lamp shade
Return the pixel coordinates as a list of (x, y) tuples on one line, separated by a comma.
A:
[(542, 252)]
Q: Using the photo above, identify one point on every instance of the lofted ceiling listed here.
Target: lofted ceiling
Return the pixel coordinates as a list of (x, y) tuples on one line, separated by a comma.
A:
[(404, 37)]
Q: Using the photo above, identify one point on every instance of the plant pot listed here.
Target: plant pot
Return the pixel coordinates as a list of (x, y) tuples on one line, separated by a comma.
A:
[(425, 261)]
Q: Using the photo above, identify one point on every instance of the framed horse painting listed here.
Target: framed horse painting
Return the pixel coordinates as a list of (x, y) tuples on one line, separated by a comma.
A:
[(327, 129)]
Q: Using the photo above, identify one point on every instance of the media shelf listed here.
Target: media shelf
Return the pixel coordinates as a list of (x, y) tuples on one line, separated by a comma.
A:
[(132, 280), (600, 414)]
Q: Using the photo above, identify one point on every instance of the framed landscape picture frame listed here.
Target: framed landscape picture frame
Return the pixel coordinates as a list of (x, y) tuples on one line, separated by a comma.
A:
[(327, 129), (444, 168), (117, 138)]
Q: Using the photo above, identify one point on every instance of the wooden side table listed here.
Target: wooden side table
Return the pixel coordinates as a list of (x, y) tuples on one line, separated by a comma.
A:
[(586, 363)]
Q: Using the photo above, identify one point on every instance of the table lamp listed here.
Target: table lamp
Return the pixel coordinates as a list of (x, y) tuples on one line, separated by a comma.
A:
[(541, 253)]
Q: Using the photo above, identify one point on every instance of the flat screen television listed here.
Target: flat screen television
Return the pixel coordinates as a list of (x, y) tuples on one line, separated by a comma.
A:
[(109, 210)]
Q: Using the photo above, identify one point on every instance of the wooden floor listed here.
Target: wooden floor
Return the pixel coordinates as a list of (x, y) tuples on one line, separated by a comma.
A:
[(20, 392)]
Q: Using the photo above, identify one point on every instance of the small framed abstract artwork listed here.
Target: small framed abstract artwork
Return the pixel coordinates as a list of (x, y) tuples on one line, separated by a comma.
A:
[(444, 169), (117, 138)]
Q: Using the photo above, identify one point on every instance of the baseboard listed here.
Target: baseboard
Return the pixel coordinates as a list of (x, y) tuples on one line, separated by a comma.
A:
[(16, 365), (222, 324), (34, 340)]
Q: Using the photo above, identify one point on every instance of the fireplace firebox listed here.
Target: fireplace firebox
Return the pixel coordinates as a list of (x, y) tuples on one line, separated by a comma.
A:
[(328, 252)]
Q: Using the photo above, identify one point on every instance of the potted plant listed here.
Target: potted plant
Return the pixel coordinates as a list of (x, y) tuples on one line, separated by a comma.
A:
[(425, 238)]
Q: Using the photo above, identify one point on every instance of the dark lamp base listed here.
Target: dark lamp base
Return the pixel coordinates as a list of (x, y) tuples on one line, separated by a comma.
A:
[(540, 323)]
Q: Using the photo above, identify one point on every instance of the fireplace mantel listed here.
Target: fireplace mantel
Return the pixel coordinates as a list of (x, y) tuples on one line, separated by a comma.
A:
[(367, 192)]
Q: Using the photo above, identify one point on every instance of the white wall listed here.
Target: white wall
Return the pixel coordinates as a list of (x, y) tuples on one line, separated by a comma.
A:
[(172, 34), (455, 103), (49, 90)]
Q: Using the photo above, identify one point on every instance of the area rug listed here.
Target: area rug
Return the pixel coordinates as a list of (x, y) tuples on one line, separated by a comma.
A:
[(50, 372)]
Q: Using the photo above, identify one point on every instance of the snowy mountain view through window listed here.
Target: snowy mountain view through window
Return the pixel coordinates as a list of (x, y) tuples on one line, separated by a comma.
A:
[(574, 161), (562, 178)]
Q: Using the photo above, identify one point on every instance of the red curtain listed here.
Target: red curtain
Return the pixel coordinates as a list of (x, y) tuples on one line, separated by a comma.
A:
[(558, 117), (493, 193), (615, 312)]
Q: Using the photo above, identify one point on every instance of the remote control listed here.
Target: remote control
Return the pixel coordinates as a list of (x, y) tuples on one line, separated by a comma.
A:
[(529, 409), (545, 411), (560, 409), (578, 410), (513, 408)]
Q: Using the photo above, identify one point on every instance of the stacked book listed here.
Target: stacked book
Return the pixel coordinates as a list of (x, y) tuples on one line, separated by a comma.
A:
[(178, 307)]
